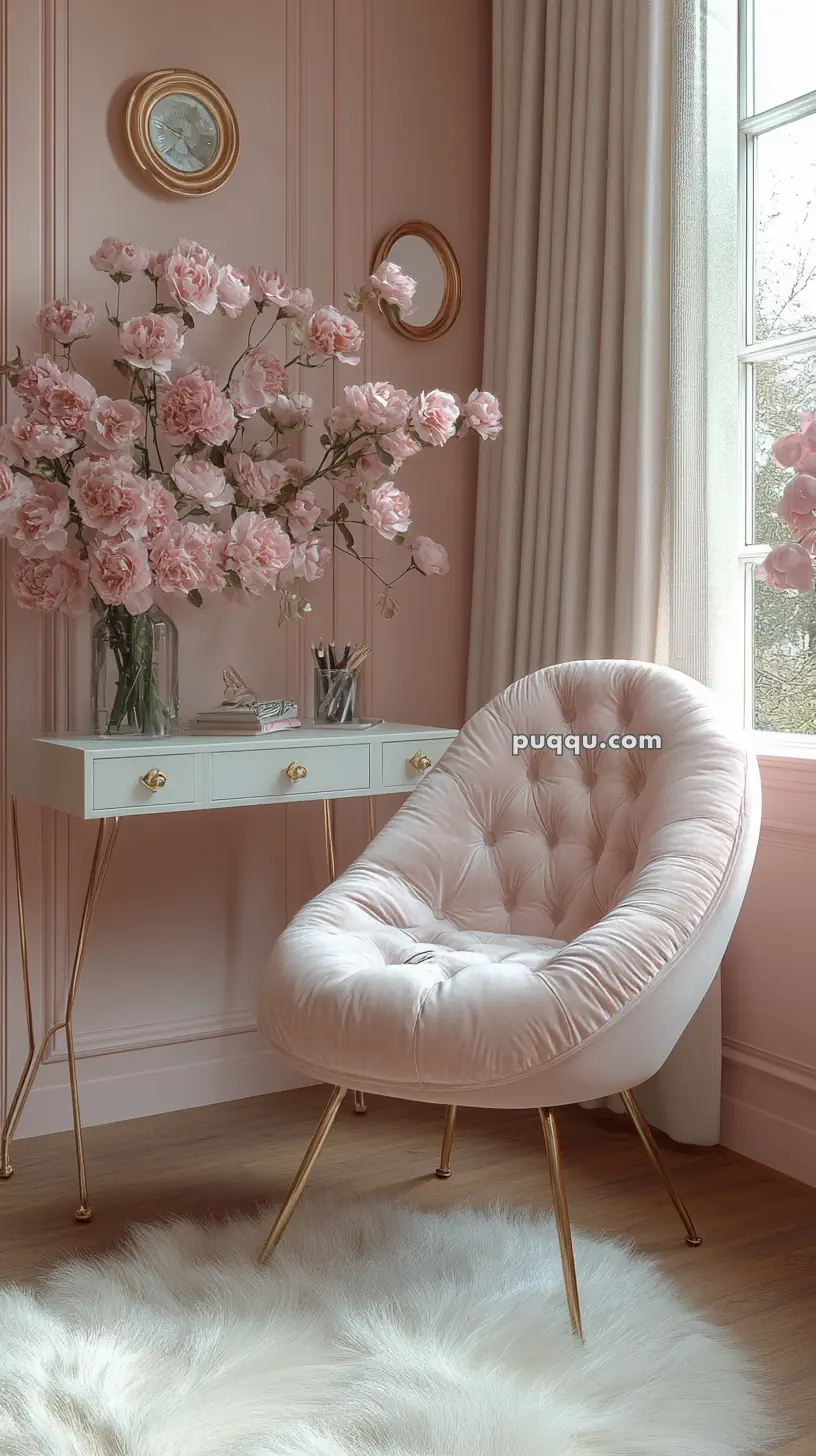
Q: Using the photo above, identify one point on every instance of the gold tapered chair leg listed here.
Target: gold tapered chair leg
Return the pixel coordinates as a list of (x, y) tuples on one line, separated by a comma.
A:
[(444, 1169), (310, 1157), (559, 1196), (360, 1104), (19, 1098), (645, 1134)]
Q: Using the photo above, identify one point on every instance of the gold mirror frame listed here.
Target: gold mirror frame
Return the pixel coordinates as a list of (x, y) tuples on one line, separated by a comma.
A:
[(452, 294), (164, 83)]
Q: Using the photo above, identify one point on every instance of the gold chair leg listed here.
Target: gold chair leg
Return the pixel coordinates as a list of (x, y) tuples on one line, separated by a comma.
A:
[(645, 1134), (559, 1196), (310, 1157), (444, 1169), (360, 1104), (328, 836), (19, 1098)]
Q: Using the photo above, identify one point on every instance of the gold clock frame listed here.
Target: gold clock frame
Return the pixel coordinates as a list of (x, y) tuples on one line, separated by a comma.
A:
[(143, 98), (452, 293)]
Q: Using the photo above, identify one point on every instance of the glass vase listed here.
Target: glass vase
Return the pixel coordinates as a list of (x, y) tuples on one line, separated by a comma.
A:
[(134, 673)]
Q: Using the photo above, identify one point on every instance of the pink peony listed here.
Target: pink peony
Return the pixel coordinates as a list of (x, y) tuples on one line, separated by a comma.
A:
[(161, 508), (25, 442), (259, 380), (378, 406), (301, 515), (66, 320), (399, 444), (39, 527), (67, 402), (113, 424), (481, 413), (201, 481), (233, 291), (12, 489), (797, 502), (109, 497), (53, 584), (434, 416), (310, 558), (430, 557), (394, 287), (258, 480), (788, 566), (334, 335), (291, 411), (120, 573), (114, 256), (388, 510), (194, 408), (788, 449), (368, 467), (300, 304), (186, 557), (269, 287), (152, 341), (33, 384), (257, 552), (191, 274), (156, 264)]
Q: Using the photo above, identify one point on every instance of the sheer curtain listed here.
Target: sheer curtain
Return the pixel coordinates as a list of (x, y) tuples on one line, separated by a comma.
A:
[(592, 534)]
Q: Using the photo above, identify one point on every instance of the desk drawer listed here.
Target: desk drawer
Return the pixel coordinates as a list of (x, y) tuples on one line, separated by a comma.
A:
[(117, 782), (261, 774), (397, 770)]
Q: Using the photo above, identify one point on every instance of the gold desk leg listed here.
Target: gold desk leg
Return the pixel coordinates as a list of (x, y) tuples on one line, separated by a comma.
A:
[(559, 1196), (372, 825), (105, 841), (444, 1169), (310, 1157), (6, 1169), (645, 1134)]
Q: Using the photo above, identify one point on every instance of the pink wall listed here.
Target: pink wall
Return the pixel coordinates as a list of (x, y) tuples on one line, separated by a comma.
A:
[(769, 984), (354, 114)]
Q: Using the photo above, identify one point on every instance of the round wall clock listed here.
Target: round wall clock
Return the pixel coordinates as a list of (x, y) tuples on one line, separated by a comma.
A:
[(183, 131)]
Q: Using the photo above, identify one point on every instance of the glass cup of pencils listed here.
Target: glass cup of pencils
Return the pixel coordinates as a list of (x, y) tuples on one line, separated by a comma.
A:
[(336, 675)]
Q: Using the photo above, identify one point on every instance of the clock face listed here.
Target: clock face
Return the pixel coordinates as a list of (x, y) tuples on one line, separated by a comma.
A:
[(184, 133)]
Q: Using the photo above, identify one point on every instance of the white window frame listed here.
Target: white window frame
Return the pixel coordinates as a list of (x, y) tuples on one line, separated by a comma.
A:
[(751, 125)]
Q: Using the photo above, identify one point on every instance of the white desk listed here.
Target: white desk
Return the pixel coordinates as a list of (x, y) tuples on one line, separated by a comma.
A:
[(111, 779)]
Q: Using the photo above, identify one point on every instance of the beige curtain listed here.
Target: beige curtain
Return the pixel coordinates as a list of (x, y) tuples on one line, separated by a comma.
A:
[(591, 533)]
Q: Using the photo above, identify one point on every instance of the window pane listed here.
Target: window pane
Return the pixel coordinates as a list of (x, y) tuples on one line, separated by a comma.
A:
[(784, 44), (782, 390), (785, 240), (784, 660)]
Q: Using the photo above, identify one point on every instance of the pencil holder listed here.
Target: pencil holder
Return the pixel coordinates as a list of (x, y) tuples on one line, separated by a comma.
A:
[(335, 695)]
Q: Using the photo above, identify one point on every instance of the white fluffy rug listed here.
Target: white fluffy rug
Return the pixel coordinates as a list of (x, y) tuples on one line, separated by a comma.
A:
[(376, 1330)]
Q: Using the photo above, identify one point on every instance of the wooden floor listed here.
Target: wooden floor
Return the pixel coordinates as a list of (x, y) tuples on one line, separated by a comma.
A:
[(755, 1272)]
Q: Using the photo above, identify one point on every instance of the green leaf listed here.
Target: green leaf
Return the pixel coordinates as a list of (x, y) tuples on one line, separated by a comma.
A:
[(187, 319), (346, 534), (121, 277), (165, 308), (217, 455), (124, 368), (233, 579), (266, 414), (325, 441), (195, 597), (342, 511), (384, 456), (400, 540)]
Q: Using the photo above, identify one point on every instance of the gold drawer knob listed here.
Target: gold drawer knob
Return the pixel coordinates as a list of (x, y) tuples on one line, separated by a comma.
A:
[(420, 761), (154, 779), (295, 771)]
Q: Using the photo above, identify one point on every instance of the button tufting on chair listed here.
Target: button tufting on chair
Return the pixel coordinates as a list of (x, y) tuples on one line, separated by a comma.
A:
[(489, 837)]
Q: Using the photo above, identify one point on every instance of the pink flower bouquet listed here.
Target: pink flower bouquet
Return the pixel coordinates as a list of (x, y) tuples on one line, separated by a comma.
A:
[(189, 483), (789, 566)]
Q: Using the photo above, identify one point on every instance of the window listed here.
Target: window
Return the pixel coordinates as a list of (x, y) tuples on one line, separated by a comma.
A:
[(777, 357)]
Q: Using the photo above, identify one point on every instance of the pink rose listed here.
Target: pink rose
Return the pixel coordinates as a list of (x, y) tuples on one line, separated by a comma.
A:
[(300, 304), (434, 416), (368, 467), (430, 557), (114, 256), (257, 552), (40, 523), (388, 510), (120, 573), (797, 502), (194, 408), (310, 558), (258, 381), (807, 464), (269, 287), (53, 584), (399, 444), (109, 497), (378, 406), (395, 287), (33, 384), (787, 450), (12, 489), (788, 567), (156, 264), (25, 442), (338, 422), (203, 482), (187, 557), (67, 402), (258, 480), (233, 291), (301, 515), (191, 275), (152, 341), (113, 424), (161, 508), (334, 335), (481, 413), (66, 320), (291, 411)]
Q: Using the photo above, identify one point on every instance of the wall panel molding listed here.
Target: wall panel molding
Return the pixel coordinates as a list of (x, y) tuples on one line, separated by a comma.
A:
[(5, 899), (161, 1033)]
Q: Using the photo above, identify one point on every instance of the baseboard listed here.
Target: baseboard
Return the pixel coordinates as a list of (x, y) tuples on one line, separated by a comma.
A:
[(142, 1083), (769, 1110)]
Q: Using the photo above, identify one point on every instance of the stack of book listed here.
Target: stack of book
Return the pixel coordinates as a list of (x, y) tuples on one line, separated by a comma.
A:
[(249, 718)]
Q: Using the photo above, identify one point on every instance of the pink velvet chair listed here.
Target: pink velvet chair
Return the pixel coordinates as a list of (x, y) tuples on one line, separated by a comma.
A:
[(532, 928)]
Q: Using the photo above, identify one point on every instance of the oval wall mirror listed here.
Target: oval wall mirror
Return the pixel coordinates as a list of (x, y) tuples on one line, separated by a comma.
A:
[(422, 251)]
